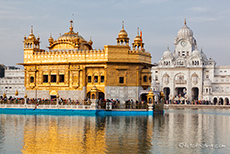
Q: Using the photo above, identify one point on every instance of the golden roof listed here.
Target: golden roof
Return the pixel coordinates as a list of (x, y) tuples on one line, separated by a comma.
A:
[(122, 33), (71, 35)]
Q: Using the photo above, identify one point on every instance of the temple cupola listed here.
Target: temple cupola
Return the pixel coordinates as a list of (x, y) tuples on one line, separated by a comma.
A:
[(70, 40), (122, 38), (31, 43), (138, 42)]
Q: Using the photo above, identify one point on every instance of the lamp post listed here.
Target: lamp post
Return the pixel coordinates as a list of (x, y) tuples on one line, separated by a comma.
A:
[(25, 102), (57, 100)]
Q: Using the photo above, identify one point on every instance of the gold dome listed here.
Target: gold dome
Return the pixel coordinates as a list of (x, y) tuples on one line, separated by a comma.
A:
[(122, 33), (137, 39), (31, 36), (71, 35)]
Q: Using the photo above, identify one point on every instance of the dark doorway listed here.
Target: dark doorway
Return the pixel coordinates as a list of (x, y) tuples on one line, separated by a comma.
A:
[(166, 92), (101, 95), (53, 96), (144, 97), (221, 101), (215, 100), (226, 101), (180, 91), (195, 93)]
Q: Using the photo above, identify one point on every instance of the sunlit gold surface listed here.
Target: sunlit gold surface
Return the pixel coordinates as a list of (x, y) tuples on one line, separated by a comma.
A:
[(74, 57)]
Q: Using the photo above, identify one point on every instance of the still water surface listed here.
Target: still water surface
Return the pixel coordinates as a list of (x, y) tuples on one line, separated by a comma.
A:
[(177, 131)]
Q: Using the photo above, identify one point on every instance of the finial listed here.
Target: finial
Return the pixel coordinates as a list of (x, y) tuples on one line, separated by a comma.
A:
[(185, 21), (50, 34), (123, 25), (138, 31), (201, 50), (168, 47), (90, 38), (71, 25), (31, 29)]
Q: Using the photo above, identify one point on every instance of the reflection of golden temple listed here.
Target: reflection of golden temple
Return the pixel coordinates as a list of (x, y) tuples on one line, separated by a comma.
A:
[(86, 134), (62, 136), (71, 67)]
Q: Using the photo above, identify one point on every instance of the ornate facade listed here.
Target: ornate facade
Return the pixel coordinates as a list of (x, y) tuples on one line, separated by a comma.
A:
[(187, 74), (71, 68)]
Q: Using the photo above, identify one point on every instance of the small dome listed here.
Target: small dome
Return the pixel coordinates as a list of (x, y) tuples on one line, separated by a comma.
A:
[(31, 36), (71, 35), (123, 34), (137, 39), (167, 54), (207, 83), (90, 42), (196, 52), (185, 31)]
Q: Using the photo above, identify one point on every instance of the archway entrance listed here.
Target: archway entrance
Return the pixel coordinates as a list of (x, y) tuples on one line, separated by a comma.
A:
[(180, 91), (101, 95), (226, 101), (195, 93), (167, 92), (215, 101), (221, 101), (144, 97)]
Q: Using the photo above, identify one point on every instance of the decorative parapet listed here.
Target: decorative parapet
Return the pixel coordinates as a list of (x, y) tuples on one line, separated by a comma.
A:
[(66, 56), (142, 55)]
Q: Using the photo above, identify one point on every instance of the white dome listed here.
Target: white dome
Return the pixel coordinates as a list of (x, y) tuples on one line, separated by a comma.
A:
[(196, 52), (167, 54), (185, 31)]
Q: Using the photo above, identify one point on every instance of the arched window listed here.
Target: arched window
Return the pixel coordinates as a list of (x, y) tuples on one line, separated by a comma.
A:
[(31, 79), (145, 78)]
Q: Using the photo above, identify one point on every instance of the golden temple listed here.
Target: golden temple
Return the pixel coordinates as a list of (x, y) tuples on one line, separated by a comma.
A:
[(71, 68)]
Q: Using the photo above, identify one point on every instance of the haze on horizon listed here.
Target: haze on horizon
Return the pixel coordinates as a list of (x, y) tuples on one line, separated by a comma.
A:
[(159, 21)]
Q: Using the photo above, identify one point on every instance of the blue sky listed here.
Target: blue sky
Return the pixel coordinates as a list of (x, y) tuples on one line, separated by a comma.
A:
[(159, 21)]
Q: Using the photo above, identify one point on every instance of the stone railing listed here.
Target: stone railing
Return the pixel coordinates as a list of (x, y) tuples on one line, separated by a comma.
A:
[(45, 106)]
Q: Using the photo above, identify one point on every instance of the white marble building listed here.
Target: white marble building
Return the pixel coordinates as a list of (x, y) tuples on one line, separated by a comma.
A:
[(187, 74), (13, 80)]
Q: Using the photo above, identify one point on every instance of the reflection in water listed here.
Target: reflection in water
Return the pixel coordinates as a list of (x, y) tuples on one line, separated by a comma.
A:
[(116, 134)]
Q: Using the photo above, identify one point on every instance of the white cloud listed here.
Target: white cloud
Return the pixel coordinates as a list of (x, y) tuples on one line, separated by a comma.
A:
[(199, 9)]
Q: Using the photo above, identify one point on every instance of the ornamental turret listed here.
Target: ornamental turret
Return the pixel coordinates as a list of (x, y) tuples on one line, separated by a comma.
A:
[(122, 38), (31, 43), (138, 42)]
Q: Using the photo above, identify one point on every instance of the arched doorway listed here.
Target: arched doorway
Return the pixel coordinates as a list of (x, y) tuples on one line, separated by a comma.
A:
[(166, 92), (180, 91), (221, 101), (226, 100), (144, 97), (101, 95), (215, 101), (195, 93)]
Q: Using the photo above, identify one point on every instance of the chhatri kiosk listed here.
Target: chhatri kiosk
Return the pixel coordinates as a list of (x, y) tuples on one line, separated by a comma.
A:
[(71, 68)]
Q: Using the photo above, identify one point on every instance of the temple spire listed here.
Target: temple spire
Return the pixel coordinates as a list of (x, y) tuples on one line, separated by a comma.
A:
[(71, 25), (137, 31), (185, 21), (123, 25), (31, 29)]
